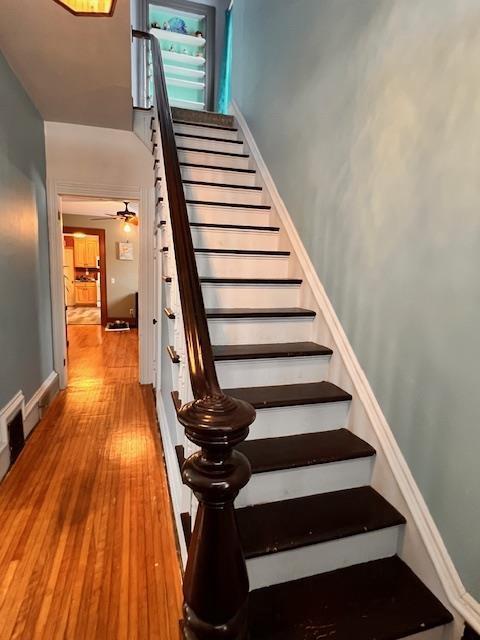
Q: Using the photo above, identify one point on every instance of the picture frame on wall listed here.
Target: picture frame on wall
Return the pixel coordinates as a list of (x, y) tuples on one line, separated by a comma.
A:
[(125, 251)]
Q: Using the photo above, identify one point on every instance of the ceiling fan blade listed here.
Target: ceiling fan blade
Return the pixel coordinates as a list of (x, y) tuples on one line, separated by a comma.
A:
[(105, 217)]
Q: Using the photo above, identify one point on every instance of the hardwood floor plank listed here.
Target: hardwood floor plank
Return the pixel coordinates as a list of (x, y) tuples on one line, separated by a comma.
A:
[(88, 547)]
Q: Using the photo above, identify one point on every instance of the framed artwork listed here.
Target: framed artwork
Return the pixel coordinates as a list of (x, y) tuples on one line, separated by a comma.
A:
[(125, 251)]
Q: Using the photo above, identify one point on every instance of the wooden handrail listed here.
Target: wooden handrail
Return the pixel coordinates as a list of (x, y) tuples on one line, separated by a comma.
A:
[(216, 582)]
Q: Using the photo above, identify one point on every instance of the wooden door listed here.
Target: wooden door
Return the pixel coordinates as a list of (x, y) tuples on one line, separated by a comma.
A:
[(91, 293), (69, 276), (81, 294), (92, 251), (86, 294), (79, 252)]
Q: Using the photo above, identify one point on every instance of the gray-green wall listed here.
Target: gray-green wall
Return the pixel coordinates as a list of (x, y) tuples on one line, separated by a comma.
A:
[(25, 312), (367, 113)]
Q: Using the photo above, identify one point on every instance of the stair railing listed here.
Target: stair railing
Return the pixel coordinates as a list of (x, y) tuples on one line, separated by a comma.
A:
[(216, 582)]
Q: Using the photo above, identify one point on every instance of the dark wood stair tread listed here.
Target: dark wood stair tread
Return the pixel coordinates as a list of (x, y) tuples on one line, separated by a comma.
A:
[(274, 312), (204, 124), (379, 600), (216, 153), (245, 281), (236, 227), (273, 350), (240, 252), (286, 395), (244, 252), (208, 166), (304, 450), (274, 281), (200, 137), (288, 524), (222, 185), (232, 205)]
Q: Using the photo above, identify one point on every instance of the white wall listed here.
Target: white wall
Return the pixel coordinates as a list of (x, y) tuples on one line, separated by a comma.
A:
[(95, 155), (74, 69)]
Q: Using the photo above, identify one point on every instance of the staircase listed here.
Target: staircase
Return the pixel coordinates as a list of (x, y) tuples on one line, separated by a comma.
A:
[(320, 543)]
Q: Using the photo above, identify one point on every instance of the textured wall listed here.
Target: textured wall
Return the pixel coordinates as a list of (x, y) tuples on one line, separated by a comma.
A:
[(25, 315), (121, 294), (368, 116)]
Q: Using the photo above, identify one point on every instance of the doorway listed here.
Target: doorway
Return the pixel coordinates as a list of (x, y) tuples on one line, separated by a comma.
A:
[(100, 239), (65, 198), (85, 275), (186, 34)]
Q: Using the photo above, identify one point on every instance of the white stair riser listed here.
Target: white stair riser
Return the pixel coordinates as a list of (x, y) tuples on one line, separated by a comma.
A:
[(250, 331), (241, 266), (167, 297), (250, 296), (267, 371), (305, 481), (186, 104), (214, 159), (308, 418), (168, 331), (228, 215), (209, 145), (217, 175), (223, 194), (284, 566), (205, 238), (208, 132)]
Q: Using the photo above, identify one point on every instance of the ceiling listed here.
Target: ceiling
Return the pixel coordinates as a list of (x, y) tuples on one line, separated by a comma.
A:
[(75, 69), (79, 206)]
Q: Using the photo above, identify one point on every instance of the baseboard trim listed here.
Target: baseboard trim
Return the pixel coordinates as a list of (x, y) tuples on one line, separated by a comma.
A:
[(465, 606), (13, 406), (40, 400), (173, 475), (31, 412)]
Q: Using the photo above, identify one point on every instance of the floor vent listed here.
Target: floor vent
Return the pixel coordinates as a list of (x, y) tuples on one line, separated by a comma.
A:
[(16, 438)]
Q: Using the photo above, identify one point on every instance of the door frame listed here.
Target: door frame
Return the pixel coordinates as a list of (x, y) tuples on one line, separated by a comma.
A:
[(67, 251), (146, 198), (207, 10), (88, 231)]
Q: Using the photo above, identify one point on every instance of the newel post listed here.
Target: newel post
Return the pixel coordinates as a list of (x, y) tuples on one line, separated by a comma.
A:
[(216, 582)]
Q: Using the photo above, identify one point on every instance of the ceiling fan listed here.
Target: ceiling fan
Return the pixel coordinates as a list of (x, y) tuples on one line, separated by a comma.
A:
[(128, 217)]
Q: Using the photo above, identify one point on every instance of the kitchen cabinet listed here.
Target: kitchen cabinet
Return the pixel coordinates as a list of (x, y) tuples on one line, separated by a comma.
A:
[(86, 293), (86, 251)]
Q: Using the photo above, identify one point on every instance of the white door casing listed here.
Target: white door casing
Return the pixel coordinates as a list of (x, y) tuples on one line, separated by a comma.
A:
[(145, 196)]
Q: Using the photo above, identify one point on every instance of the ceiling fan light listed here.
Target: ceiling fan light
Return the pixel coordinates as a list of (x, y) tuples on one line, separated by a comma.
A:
[(100, 8), (127, 227)]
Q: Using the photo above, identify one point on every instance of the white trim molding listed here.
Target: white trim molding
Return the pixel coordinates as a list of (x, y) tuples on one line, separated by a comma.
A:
[(145, 196), (426, 549), (146, 286), (31, 415), (35, 406), (17, 403), (173, 475)]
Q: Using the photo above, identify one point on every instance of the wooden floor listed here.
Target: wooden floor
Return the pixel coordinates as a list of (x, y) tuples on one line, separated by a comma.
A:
[(87, 547)]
